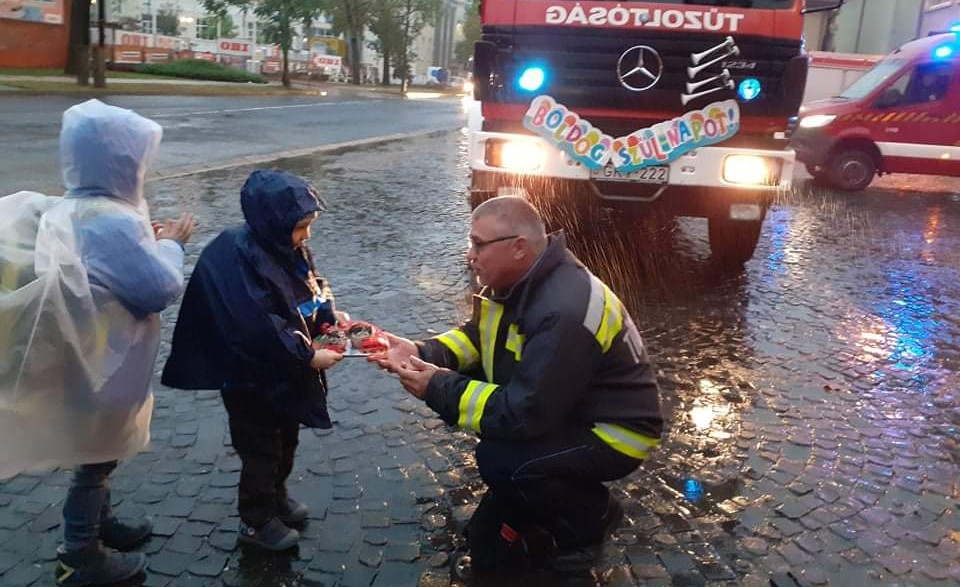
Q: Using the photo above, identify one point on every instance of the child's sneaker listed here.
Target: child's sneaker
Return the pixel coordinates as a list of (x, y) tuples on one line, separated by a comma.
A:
[(125, 535), (97, 567), (292, 511), (273, 535)]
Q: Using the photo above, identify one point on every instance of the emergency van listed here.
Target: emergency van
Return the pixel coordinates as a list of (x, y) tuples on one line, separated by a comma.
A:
[(902, 116)]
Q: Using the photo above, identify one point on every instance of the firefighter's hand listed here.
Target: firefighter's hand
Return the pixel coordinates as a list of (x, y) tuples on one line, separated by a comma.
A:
[(415, 375), (401, 349)]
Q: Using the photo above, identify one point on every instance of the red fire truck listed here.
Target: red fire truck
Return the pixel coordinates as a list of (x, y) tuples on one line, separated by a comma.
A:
[(669, 108)]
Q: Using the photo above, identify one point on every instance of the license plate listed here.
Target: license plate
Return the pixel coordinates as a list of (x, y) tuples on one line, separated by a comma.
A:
[(659, 174)]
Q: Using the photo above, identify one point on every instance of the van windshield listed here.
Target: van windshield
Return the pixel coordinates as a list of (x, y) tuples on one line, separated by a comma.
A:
[(873, 79)]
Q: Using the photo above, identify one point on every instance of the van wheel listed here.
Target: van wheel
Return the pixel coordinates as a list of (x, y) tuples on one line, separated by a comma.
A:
[(851, 170)]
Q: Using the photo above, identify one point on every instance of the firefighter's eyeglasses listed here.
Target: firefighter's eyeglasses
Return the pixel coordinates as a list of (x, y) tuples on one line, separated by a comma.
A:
[(477, 245)]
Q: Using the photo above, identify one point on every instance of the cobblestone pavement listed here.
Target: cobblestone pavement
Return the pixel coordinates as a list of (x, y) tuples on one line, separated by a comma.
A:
[(812, 402)]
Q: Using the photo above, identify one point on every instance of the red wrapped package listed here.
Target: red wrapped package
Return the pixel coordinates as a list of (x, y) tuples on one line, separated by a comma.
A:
[(352, 338), (366, 338), (332, 339)]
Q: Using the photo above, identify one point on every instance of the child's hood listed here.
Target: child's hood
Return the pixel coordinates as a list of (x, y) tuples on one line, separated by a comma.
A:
[(273, 202), (105, 151)]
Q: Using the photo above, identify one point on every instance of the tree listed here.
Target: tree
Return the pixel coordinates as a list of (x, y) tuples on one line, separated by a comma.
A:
[(218, 25), (350, 18), (396, 23), (278, 18), (168, 21), (79, 37), (415, 15), (385, 24), (472, 31)]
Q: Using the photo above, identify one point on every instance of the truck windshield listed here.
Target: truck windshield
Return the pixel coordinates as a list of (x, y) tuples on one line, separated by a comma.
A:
[(762, 4), (871, 80)]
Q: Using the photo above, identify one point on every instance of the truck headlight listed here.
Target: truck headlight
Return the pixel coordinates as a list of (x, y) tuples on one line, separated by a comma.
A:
[(520, 155), (816, 120), (751, 170)]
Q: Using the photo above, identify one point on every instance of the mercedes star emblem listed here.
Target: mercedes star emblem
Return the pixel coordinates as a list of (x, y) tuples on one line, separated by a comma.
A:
[(639, 68)]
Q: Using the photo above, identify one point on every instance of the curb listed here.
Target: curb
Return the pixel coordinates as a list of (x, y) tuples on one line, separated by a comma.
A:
[(175, 172)]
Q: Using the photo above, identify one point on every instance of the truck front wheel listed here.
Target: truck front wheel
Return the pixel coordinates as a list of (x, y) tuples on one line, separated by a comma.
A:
[(851, 169), (732, 242)]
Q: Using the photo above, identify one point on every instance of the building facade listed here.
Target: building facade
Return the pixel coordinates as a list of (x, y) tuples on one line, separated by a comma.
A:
[(873, 27)]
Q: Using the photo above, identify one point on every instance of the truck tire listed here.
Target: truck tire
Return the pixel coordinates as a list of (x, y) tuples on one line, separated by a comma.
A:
[(814, 171), (732, 242), (851, 170)]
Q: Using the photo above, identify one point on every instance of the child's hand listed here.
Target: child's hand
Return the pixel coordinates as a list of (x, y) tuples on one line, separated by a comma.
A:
[(324, 359)]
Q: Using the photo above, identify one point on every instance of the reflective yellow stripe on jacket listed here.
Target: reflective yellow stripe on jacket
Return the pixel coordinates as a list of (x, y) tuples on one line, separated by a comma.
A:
[(624, 440), (461, 346), (490, 314), (514, 342), (472, 402), (604, 317)]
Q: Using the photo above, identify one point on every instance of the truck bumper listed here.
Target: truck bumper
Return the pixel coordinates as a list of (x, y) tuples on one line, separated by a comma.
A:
[(694, 175)]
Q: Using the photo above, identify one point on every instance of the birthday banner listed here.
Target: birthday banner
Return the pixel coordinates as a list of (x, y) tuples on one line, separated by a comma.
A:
[(655, 145)]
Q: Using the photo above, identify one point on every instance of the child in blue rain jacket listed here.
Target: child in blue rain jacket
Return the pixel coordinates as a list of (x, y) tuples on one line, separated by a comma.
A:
[(252, 308)]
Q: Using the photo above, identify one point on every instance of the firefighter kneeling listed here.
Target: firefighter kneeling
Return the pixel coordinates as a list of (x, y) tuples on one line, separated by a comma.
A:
[(551, 373)]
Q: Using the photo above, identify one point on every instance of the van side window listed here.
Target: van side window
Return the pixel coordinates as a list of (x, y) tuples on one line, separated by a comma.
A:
[(929, 82)]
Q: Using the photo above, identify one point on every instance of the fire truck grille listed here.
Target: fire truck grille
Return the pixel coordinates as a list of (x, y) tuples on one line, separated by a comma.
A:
[(582, 70)]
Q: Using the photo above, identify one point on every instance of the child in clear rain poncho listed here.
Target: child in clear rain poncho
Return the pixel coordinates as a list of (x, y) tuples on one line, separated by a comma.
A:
[(82, 279)]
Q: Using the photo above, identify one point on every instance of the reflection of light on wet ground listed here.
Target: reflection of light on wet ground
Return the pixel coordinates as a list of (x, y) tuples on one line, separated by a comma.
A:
[(901, 329), (933, 226), (703, 417), (693, 490), (708, 387), (784, 257), (423, 95), (930, 234)]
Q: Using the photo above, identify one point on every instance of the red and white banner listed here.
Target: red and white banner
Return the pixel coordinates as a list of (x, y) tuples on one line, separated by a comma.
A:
[(272, 66), (132, 39), (233, 47), (326, 61)]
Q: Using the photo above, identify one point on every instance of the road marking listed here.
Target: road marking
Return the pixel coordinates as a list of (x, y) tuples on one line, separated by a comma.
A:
[(234, 110)]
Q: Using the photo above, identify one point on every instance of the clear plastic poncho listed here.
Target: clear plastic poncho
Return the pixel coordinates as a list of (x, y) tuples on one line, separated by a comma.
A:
[(81, 280)]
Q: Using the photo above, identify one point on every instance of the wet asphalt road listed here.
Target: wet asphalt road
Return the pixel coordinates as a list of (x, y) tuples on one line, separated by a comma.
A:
[(811, 400), (207, 131)]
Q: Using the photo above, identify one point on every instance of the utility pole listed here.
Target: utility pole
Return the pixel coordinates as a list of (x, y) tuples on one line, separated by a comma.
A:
[(153, 23), (406, 49), (99, 57)]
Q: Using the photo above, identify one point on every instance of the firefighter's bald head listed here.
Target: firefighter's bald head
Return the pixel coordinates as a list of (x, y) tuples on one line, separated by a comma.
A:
[(516, 215), (507, 236)]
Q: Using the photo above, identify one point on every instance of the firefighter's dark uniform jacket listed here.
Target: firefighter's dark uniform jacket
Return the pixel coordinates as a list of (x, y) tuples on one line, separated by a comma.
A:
[(557, 351)]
